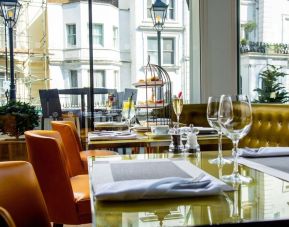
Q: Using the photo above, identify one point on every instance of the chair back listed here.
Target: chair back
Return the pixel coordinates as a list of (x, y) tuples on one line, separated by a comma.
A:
[(50, 103), (20, 196), (71, 141), (48, 157)]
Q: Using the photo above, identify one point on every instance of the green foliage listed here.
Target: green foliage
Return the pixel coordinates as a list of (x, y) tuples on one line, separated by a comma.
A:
[(243, 42), (250, 26), (24, 117), (272, 91)]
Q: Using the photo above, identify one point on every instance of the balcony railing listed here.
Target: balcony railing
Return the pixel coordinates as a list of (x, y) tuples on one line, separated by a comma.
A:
[(112, 2), (265, 48)]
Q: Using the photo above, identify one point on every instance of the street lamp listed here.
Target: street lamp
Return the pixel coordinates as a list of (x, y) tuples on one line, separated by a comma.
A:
[(159, 14), (10, 12)]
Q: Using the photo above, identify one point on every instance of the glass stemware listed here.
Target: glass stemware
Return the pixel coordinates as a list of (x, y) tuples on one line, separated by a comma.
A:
[(178, 108), (212, 117), (235, 118), (128, 111)]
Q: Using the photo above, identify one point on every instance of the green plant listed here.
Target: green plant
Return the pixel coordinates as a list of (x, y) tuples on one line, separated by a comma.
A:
[(249, 27), (272, 91), (243, 42), (17, 117)]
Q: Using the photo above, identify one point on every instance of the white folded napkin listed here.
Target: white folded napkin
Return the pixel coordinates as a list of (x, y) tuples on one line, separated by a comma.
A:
[(263, 152), (110, 135), (170, 187), (109, 123)]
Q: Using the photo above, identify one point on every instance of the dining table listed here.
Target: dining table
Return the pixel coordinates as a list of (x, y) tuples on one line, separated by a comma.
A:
[(146, 143), (263, 201)]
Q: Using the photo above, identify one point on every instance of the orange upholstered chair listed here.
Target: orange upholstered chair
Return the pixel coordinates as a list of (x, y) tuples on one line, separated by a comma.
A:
[(66, 194), (71, 140), (21, 196), (6, 219)]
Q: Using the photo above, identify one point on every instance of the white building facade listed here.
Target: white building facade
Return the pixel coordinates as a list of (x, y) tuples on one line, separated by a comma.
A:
[(271, 33), (123, 37)]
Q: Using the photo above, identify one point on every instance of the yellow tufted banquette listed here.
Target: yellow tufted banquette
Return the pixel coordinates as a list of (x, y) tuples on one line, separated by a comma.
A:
[(270, 125)]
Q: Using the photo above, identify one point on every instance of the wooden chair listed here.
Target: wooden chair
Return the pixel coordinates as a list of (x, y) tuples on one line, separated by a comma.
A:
[(71, 141), (66, 194), (20, 196)]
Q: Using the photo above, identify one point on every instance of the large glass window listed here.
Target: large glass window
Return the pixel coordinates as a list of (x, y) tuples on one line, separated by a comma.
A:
[(264, 42), (71, 35), (167, 49)]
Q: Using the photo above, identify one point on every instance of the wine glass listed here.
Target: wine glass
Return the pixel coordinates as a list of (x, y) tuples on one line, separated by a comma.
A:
[(235, 118), (128, 111), (178, 107), (212, 117)]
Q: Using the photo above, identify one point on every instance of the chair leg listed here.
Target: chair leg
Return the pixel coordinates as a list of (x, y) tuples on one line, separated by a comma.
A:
[(57, 225)]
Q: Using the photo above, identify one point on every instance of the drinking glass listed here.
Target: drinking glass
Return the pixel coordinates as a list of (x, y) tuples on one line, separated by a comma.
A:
[(212, 117), (178, 107), (235, 118), (128, 111)]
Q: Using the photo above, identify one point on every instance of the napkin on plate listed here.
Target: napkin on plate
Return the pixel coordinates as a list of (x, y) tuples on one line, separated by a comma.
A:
[(111, 135), (263, 152), (169, 187)]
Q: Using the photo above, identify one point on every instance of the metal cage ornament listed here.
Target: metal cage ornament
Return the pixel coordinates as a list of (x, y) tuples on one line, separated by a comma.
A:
[(158, 80)]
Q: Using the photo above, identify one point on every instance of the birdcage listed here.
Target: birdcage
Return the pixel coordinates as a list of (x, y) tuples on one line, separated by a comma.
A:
[(158, 95)]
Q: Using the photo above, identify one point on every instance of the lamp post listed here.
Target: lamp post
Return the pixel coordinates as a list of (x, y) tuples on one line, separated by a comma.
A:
[(159, 14), (10, 12)]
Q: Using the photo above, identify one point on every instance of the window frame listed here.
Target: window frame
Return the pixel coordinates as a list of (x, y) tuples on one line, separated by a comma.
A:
[(68, 36), (115, 38), (95, 36), (162, 49)]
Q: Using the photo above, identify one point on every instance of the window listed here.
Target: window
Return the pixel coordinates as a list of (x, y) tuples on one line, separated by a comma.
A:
[(171, 9), (73, 84), (97, 34), (153, 49), (168, 51), (167, 48), (264, 39), (149, 5), (71, 35), (99, 82), (115, 37)]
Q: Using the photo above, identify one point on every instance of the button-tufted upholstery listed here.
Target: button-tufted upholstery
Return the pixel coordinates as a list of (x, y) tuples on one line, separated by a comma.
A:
[(270, 125)]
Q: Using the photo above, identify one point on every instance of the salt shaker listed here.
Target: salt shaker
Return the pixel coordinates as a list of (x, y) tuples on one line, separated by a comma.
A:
[(192, 144)]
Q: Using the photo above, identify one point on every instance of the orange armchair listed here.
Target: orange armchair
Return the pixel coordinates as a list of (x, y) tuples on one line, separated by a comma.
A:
[(20, 196), (71, 140), (67, 195)]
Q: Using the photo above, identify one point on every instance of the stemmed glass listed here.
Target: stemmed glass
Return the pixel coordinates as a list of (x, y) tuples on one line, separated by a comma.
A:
[(178, 108), (235, 118), (128, 111), (212, 117)]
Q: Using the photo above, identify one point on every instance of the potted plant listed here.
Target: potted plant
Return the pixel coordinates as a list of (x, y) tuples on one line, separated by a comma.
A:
[(272, 91), (17, 117)]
